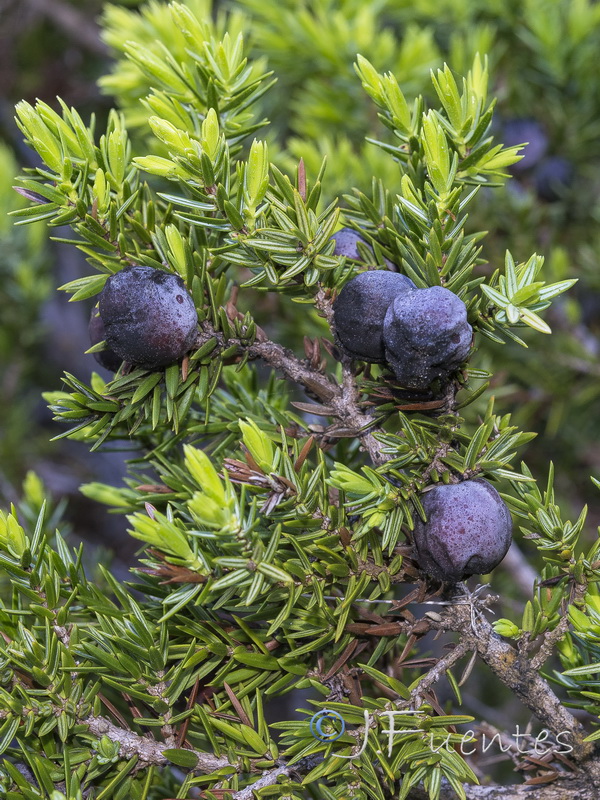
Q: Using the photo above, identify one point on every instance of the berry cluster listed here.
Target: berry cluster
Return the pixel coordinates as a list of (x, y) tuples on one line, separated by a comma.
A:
[(422, 334), (146, 317)]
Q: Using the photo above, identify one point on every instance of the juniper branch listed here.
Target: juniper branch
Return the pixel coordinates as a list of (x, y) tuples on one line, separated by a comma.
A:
[(436, 672), (341, 400), (148, 750), (511, 667), (516, 671)]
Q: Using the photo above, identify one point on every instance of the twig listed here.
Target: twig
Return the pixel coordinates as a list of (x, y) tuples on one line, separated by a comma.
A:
[(149, 751), (270, 777), (550, 641), (341, 400), (436, 672), (516, 671), (553, 637)]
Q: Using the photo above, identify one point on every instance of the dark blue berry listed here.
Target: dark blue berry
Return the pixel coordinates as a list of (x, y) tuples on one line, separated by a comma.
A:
[(552, 178), (149, 317), (468, 530), (426, 336), (346, 244), (346, 241), (359, 311), (518, 131)]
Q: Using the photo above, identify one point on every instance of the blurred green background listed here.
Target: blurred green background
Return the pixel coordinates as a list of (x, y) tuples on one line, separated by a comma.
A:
[(543, 66)]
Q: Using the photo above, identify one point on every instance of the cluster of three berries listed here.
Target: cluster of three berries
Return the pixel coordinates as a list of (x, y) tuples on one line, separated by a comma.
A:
[(423, 335)]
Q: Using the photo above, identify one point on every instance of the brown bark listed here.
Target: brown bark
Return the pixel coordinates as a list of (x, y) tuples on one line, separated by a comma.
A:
[(562, 789), (517, 672)]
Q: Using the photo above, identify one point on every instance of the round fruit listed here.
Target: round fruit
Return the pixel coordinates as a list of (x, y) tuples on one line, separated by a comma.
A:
[(346, 244), (468, 530), (426, 336), (149, 317), (552, 178), (107, 358), (517, 131), (346, 241), (359, 311)]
